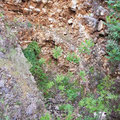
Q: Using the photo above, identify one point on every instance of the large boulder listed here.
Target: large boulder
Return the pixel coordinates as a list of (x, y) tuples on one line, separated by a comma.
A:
[(20, 98)]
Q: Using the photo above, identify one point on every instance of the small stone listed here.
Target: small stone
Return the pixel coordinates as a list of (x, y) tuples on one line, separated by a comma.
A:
[(2, 55), (31, 7), (90, 21), (26, 9), (65, 33), (44, 10), (17, 1), (100, 25), (72, 48), (37, 1), (101, 11), (101, 33), (95, 40), (56, 107), (2, 84), (70, 21), (44, 1), (31, 109), (73, 5), (37, 9)]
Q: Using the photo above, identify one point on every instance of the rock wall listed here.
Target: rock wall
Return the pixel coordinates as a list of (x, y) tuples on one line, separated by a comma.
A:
[(19, 97)]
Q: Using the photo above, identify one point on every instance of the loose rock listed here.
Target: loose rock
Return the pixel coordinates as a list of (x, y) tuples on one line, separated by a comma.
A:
[(100, 25)]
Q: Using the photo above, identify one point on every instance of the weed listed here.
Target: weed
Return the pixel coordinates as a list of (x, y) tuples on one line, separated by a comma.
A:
[(50, 85), (91, 69), (69, 117), (113, 50), (46, 117), (41, 61), (29, 25), (57, 52), (32, 54), (73, 58), (82, 75), (67, 108), (1, 15), (114, 4), (113, 23), (105, 83), (85, 47)]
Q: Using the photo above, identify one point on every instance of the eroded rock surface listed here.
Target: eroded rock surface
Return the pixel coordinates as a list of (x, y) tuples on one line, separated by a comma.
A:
[(19, 97)]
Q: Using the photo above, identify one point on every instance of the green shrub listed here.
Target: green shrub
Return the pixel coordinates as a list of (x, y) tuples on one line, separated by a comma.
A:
[(72, 57), (46, 117), (85, 47), (66, 107), (113, 23), (113, 50), (82, 75), (57, 52), (114, 4), (32, 54), (101, 102)]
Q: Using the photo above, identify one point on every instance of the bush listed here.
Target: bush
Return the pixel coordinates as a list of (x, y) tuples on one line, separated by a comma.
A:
[(72, 57), (85, 47), (32, 54), (57, 52), (113, 23), (113, 50)]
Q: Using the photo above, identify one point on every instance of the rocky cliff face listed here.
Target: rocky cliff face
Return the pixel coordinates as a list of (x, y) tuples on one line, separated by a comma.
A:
[(63, 23), (19, 97)]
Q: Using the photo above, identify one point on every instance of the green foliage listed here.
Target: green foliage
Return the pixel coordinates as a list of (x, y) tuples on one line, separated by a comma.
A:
[(72, 57), (91, 69), (113, 23), (85, 47), (106, 83), (50, 85), (86, 118), (41, 61), (114, 4), (29, 25), (37, 72), (1, 15), (113, 50), (69, 116), (93, 105), (57, 52), (82, 75), (32, 52), (103, 101), (67, 107), (46, 117), (63, 84), (59, 78)]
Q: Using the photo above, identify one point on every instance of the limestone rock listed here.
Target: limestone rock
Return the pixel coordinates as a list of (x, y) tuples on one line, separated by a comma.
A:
[(90, 21), (37, 1), (2, 83), (101, 11), (73, 5), (70, 21), (37, 10), (44, 1), (100, 25), (17, 85)]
